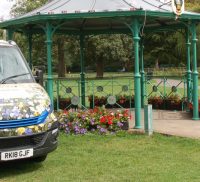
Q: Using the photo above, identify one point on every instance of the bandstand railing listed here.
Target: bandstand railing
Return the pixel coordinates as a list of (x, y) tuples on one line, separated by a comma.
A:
[(119, 92)]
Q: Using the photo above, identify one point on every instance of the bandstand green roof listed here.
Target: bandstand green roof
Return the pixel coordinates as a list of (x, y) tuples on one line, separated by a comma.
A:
[(98, 16)]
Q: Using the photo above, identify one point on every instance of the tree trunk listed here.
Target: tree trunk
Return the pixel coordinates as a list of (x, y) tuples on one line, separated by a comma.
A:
[(61, 58), (127, 65), (157, 64), (100, 68)]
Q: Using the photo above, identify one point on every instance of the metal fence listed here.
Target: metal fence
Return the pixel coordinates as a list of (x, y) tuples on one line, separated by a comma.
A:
[(165, 87), (114, 92), (107, 92)]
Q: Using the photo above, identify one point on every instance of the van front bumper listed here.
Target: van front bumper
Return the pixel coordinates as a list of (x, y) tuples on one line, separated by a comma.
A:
[(41, 143)]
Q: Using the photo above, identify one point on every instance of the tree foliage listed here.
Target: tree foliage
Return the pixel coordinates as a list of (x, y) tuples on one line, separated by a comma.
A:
[(193, 5), (112, 52), (24, 6)]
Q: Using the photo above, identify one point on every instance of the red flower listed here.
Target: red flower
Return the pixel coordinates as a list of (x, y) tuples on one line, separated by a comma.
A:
[(117, 116), (110, 119), (125, 114), (103, 119), (65, 111), (95, 110)]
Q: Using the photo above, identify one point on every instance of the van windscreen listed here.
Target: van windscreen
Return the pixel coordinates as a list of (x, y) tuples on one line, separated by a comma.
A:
[(13, 68)]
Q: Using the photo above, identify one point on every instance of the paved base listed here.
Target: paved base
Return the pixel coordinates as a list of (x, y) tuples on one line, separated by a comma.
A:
[(172, 123)]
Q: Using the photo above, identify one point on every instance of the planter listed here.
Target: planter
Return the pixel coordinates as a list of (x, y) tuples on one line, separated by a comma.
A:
[(157, 103), (97, 101), (173, 104)]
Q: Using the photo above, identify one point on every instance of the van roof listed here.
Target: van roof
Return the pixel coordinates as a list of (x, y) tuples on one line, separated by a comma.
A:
[(7, 43)]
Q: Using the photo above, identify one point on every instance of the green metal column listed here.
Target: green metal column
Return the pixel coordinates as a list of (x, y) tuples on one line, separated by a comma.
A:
[(142, 74), (188, 44), (195, 74), (9, 34), (137, 76), (82, 74), (49, 61), (30, 48)]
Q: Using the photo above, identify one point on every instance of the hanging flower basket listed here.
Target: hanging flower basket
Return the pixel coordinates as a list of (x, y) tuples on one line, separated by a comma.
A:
[(156, 102), (171, 103)]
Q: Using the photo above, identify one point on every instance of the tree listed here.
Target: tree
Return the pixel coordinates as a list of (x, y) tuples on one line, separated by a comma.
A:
[(61, 57), (159, 48), (24, 6), (108, 50)]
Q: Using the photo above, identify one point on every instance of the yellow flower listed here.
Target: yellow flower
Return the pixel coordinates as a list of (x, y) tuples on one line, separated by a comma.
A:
[(31, 127), (36, 129), (53, 117), (20, 131), (21, 105), (41, 127), (36, 113)]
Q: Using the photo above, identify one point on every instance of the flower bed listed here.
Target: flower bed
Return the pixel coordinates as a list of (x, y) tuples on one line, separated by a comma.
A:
[(98, 120)]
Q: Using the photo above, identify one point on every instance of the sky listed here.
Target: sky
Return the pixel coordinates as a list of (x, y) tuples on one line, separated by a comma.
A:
[(5, 7)]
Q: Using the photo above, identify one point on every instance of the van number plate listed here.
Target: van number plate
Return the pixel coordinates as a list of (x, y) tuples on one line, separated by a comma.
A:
[(16, 154)]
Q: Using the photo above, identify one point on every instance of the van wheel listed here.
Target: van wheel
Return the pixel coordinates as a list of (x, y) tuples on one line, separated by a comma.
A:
[(40, 158)]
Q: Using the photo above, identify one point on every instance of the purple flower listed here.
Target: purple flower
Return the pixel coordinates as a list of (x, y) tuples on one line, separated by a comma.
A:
[(120, 124), (16, 112), (83, 131), (76, 129), (6, 114), (28, 131), (102, 130), (67, 130), (92, 122), (49, 125)]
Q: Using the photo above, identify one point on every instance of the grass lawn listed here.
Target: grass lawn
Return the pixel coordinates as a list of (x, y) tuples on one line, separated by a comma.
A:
[(113, 158)]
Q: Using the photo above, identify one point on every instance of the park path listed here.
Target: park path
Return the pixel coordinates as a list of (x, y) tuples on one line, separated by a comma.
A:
[(171, 82), (175, 123)]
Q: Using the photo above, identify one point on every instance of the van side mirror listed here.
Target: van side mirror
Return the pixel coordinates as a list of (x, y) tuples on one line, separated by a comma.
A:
[(39, 77)]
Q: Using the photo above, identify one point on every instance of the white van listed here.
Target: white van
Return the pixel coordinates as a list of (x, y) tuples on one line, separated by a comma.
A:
[(28, 127)]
